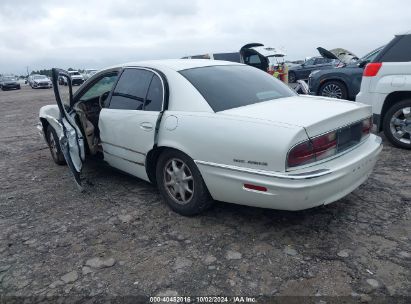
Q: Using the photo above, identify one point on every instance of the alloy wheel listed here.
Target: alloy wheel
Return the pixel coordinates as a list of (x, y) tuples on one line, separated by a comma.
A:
[(400, 125), (178, 180), (332, 90)]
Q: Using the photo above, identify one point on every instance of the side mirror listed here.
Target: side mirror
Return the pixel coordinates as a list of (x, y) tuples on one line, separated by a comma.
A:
[(362, 64)]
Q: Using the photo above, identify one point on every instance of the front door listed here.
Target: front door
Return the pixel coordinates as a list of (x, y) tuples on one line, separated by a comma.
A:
[(70, 137), (128, 123), (306, 68)]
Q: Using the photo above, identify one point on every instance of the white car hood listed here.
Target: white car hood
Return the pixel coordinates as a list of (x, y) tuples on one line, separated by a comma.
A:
[(316, 114)]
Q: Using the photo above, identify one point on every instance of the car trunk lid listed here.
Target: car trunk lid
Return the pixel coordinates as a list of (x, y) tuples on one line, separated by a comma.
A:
[(317, 115)]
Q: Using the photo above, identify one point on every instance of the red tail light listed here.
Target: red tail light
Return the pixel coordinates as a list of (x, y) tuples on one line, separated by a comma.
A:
[(325, 145), (319, 148), (371, 69), (329, 144), (301, 154)]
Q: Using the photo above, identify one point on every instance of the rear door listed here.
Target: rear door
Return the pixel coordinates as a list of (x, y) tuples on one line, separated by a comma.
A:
[(129, 123), (70, 137)]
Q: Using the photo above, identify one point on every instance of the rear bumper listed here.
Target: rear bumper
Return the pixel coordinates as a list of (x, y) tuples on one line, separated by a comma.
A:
[(318, 185)]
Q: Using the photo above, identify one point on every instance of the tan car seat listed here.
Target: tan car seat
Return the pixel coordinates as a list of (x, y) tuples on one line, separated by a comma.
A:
[(88, 128)]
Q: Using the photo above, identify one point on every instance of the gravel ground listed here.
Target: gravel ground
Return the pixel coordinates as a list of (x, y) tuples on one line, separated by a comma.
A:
[(119, 238)]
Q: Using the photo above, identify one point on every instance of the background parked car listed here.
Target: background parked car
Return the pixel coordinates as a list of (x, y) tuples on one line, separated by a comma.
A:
[(253, 54), (88, 73), (329, 59), (343, 82), (386, 85), (9, 83), (39, 81), (76, 78), (302, 71)]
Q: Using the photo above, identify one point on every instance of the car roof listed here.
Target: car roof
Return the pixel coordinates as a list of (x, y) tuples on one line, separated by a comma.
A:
[(406, 33), (176, 64)]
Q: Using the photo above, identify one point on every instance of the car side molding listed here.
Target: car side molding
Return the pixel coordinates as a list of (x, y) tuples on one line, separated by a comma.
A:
[(299, 176)]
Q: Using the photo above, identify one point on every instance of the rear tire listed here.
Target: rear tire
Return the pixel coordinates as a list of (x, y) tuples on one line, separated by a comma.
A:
[(397, 124), (333, 89), (54, 146), (180, 183)]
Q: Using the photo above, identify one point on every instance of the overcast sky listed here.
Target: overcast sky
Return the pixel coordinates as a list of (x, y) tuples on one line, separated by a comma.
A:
[(97, 33)]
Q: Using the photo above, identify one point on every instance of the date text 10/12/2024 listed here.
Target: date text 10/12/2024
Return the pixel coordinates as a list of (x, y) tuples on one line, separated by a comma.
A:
[(201, 299)]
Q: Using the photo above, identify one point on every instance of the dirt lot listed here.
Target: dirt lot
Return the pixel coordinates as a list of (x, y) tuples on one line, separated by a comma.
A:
[(119, 238)]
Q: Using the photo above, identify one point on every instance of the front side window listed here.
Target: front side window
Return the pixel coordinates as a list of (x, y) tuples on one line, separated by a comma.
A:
[(103, 85), (232, 86), (131, 90)]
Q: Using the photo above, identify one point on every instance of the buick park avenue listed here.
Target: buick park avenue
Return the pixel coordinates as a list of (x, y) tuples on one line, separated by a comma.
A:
[(206, 130)]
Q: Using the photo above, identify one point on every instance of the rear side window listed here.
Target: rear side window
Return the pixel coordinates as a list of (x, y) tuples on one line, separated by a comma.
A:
[(154, 100), (131, 90), (398, 50), (232, 86)]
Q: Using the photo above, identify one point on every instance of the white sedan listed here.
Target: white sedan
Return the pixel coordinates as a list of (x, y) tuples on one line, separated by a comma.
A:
[(206, 130)]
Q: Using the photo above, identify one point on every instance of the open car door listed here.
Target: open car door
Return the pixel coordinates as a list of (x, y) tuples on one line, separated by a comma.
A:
[(70, 137), (251, 57), (257, 55)]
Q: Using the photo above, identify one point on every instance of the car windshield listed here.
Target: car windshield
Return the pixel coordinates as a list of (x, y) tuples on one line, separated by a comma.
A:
[(74, 73), (232, 86), (39, 77), (371, 55), (8, 78)]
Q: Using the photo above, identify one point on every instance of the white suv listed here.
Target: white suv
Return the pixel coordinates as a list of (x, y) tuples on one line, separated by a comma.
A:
[(386, 86)]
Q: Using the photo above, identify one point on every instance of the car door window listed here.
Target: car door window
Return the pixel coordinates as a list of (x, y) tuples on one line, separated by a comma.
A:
[(399, 50), (309, 61), (105, 84), (154, 100), (131, 90), (253, 59), (322, 61)]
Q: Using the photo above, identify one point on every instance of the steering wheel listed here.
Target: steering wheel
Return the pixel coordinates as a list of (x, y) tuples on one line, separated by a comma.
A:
[(102, 99)]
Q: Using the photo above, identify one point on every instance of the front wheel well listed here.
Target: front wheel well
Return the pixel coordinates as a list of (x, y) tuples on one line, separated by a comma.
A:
[(151, 161), (390, 100)]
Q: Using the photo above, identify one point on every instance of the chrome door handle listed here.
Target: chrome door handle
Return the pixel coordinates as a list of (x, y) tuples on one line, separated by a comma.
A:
[(146, 126)]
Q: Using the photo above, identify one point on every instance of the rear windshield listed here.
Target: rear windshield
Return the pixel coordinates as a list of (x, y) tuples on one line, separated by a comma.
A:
[(232, 86)]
